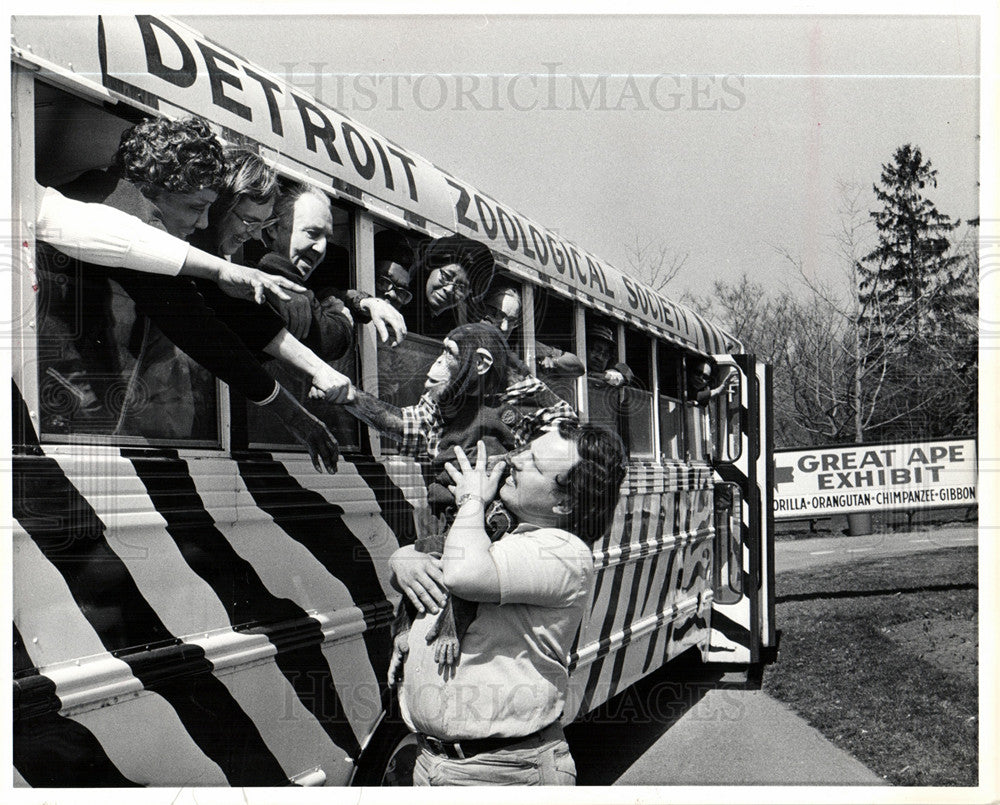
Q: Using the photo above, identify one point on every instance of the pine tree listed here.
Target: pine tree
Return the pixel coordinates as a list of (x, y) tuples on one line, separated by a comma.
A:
[(912, 293), (909, 274)]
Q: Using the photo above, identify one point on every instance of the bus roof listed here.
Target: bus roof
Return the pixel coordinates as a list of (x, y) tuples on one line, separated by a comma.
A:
[(162, 65)]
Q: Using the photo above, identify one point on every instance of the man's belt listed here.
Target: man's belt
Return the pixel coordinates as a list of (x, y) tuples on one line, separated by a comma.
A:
[(459, 750)]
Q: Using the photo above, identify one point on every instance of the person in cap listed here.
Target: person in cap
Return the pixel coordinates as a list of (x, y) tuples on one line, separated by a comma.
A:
[(602, 348)]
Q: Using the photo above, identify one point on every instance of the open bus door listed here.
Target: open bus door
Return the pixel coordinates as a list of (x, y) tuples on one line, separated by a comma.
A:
[(743, 570)]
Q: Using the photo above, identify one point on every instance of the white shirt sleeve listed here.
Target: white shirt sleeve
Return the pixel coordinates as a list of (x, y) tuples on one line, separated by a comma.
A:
[(96, 233), (547, 567)]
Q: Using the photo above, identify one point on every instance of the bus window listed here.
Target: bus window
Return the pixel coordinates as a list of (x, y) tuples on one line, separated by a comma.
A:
[(401, 369), (555, 344), (103, 369), (637, 397), (669, 372), (697, 436), (727, 567), (328, 282), (450, 279)]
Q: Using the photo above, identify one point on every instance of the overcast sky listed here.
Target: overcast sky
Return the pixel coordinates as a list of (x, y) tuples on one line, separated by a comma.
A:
[(720, 136)]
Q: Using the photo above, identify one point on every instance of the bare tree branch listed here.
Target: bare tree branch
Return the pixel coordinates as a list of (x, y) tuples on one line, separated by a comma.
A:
[(654, 263)]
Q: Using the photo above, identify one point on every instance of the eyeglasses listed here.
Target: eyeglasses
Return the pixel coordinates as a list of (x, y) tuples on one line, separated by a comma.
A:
[(498, 318), (460, 288), (256, 228), (384, 286)]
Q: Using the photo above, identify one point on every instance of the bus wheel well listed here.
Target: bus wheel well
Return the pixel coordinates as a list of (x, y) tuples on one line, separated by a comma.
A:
[(388, 758)]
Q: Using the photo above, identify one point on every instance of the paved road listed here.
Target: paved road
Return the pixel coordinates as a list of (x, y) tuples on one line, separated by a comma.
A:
[(808, 553), (745, 737), (670, 733)]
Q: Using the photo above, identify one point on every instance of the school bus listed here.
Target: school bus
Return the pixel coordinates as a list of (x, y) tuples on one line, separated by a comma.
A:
[(194, 605)]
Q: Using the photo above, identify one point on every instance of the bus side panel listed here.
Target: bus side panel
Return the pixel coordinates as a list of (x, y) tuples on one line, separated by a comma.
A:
[(653, 588), (193, 619)]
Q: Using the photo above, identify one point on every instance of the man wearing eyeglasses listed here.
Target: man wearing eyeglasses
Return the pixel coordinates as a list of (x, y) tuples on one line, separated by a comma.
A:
[(701, 375), (496, 717), (393, 262), (502, 309), (245, 207)]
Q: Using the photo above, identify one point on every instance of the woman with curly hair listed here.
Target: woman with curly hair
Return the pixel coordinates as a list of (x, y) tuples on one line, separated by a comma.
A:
[(178, 165)]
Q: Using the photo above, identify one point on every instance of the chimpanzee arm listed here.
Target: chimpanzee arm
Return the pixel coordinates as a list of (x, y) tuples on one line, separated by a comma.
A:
[(385, 417)]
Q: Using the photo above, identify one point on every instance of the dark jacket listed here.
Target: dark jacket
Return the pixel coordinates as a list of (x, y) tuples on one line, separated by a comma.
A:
[(330, 335)]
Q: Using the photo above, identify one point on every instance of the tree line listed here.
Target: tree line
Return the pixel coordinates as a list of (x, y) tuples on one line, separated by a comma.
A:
[(888, 350)]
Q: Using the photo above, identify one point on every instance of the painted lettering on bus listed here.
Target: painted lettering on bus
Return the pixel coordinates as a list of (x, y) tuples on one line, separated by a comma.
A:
[(165, 47), (651, 304), (538, 241), (502, 226)]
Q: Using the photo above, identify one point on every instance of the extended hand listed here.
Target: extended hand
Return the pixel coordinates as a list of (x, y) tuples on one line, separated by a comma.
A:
[(385, 317), (476, 480), (419, 577), (244, 282), (322, 447), (330, 385)]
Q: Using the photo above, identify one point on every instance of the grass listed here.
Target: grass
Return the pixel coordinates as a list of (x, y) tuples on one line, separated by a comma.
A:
[(880, 656)]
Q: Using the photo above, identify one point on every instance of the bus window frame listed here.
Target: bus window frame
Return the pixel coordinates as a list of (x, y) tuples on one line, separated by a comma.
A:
[(582, 397), (23, 294), (654, 377), (636, 333), (660, 394), (363, 271), (528, 324), (24, 360)]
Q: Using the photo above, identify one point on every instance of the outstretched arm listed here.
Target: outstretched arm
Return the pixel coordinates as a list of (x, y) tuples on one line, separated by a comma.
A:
[(105, 236), (558, 362), (385, 417), (327, 382)]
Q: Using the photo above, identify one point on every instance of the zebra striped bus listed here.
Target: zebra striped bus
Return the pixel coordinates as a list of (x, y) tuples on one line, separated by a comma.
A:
[(198, 606)]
